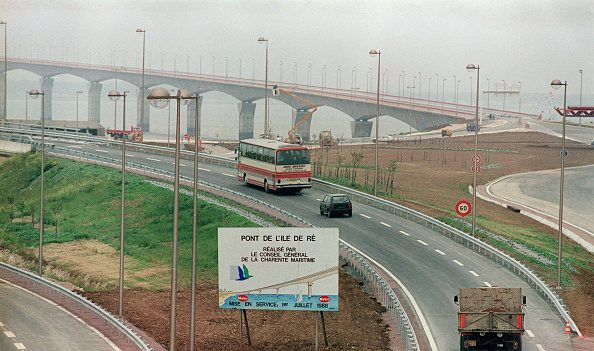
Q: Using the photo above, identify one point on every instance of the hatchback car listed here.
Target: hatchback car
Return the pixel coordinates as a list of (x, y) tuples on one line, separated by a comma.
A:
[(336, 204)]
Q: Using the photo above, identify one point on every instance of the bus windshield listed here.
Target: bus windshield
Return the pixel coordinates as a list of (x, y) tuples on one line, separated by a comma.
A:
[(292, 157)]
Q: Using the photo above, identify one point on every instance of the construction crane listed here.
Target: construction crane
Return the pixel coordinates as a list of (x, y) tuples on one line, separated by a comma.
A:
[(311, 108)]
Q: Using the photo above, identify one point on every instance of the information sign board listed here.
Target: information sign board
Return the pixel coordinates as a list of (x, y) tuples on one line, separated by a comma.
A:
[(278, 268)]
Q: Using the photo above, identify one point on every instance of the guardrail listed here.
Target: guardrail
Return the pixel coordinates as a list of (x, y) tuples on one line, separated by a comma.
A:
[(35, 282), (420, 218)]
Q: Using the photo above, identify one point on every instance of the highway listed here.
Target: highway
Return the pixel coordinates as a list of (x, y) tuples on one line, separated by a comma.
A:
[(431, 266), (29, 322)]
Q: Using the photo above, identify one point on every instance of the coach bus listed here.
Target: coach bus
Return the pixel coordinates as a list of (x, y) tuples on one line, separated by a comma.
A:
[(273, 165)]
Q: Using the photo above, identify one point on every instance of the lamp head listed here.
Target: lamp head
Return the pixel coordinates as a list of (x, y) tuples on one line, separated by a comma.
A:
[(114, 95), (185, 96), (471, 67), (2, 22), (79, 92), (34, 93), (262, 40), (140, 30), (374, 52), (556, 84), (158, 97)]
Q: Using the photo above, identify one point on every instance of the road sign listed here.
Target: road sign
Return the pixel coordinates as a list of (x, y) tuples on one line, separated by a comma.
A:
[(478, 169), (463, 208), (478, 159), (564, 153)]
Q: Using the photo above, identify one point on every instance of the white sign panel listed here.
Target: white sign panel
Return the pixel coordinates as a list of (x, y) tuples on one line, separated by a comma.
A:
[(278, 268)]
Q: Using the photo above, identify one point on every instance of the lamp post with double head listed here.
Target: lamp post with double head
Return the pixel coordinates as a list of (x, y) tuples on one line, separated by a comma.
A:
[(159, 98), (196, 98), (372, 53), (115, 95), (475, 169), (34, 94), (264, 40), (77, 94), (556, 84), (143, 123)]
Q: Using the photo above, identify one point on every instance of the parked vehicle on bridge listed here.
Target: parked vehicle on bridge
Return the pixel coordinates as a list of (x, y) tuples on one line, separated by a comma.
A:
[(336, 204), (472, 126), (134, 134), (490, 318), (273, 164)]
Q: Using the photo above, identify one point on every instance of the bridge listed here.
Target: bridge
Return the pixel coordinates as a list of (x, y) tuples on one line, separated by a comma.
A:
[(420, 114), (309, 279)]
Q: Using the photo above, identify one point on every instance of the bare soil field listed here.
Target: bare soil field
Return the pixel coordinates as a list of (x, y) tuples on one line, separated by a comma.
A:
[(433, 174)]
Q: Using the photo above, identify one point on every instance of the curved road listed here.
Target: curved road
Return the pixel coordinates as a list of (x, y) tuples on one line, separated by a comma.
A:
[(28, 322), (431, 266)]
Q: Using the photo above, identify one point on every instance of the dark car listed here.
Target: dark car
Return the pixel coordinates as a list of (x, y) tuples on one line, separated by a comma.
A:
[(336, 204)]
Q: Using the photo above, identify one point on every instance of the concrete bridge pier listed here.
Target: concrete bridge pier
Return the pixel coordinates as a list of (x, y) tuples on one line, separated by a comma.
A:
[(304, 129), (47, 86), (144, 124), (246, 119), (361, 129), (95, 102), (191, 122)]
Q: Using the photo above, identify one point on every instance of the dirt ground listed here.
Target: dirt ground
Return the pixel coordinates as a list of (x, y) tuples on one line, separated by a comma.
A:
[(359, 324), (433, 174)]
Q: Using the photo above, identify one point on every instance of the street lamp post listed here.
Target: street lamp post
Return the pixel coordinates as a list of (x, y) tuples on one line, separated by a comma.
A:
[(26, 106), (115, 95), (265, 40), (143, 123), (195, 224), (503, 94), (169, 120), (488, 92), (77, 94), (5, 70), (34, 94), (372, 53), (519, 97), (443, 94), (471, 67), (437, 87), (159, 98), (581, 86), (556, 84)]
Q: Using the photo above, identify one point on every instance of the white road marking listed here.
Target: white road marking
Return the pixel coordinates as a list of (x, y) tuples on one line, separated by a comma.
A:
[(440, 252), (19, 346), (104, 151), (458, 263), (129, 155), (474, 273), (1, 325), (76, 147), (529, 332), (181, 164), (405, 233), (539, 347), (366, 216), (9, 334), (229, 175), (205, 169), (487, 284), (422, 242), (386, 224), (153, 159)]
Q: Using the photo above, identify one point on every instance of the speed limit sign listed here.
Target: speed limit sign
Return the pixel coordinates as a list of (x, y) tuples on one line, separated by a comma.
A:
[(463, 208), (476, 159)]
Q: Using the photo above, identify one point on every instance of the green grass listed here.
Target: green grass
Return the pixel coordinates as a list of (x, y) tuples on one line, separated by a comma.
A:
[(84, 201)]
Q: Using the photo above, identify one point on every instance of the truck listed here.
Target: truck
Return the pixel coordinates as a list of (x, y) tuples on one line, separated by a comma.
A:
[(326, 138), (471, 126), (134, 134), (446, 132), (490, 318)]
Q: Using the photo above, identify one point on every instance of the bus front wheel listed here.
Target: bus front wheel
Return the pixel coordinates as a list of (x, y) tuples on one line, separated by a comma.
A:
[(245, 180), (266, 188)]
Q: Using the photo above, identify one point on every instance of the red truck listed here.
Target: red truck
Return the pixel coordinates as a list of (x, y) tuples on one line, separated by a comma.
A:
[(134, 134)]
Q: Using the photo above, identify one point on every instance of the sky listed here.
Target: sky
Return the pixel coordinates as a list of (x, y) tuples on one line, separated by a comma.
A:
[(532, 41)]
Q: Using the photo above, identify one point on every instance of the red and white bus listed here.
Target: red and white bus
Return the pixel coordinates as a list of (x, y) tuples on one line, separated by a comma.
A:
[(273, 165)]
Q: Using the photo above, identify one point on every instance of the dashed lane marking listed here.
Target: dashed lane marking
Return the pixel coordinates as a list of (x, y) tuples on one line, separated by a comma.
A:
[(181, 164), (386, 224), (362, 215), (104, 151), (422, 242), (440, 252), (228, 175), (487, 284), (205, 169), (529, 332), (153, 159), (405, 233), (539, 347), (19, 346), (76, 147), (458, 263), (9, 334), (474, 273)]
